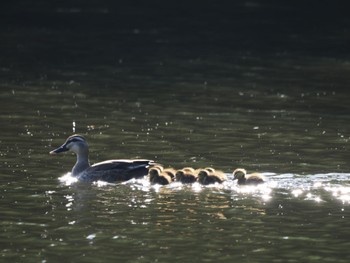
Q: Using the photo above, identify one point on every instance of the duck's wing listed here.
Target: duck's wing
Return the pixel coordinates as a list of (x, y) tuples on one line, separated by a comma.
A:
[(118, 170)]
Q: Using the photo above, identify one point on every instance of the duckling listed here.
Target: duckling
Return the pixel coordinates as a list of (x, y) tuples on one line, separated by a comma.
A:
[(210, 176), (189, 170), (171, 172), (186, 175), (158, 166), (210, 169), (109, 171), (156, 176), (247, 179), (154, 171)]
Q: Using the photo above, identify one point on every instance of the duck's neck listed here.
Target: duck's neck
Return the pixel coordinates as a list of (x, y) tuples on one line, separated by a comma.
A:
[(82, 162)]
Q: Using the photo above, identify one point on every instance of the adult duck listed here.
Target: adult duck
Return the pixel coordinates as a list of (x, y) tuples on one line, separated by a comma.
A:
[(109, 171)]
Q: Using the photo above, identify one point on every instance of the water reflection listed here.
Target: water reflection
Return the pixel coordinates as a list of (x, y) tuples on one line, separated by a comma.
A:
[(288, 211), (317, 187), (267, 93)]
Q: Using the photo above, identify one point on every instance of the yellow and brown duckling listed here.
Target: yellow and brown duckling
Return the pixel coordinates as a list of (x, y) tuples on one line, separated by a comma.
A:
[(189, 170), (186, 175), (211, 176), (210, 169), (170, 172), (157, 175), (157, 166), (247, 179)]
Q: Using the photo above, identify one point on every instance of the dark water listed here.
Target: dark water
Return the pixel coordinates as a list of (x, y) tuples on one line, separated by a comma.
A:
[(259, 85)]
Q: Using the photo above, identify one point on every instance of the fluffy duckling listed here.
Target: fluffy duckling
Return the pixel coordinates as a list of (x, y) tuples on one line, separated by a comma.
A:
[(210, 169), (154, 171), (171, 172), (157, 176), (210, 176), (247, 179), (158, 166), (186, 175), (189, 170)]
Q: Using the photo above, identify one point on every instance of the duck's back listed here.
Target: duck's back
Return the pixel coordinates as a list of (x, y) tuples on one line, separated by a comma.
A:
[(116, 170)]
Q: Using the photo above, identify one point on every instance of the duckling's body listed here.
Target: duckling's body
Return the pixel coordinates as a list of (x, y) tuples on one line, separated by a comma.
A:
[(109, 171), (186, 175), (247, 179), (211, 176), (156, 176)]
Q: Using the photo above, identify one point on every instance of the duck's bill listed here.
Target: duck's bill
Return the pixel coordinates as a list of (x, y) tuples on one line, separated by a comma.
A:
[(60, 149)]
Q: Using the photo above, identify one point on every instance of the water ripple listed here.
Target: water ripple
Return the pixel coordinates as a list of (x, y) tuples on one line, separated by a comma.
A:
[(313, 187)]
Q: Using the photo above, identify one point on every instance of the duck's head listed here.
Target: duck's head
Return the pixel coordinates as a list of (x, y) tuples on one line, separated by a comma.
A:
[(75, 143), (239, 173)]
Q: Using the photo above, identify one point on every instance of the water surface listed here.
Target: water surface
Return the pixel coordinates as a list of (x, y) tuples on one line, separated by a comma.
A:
[(248, 85)]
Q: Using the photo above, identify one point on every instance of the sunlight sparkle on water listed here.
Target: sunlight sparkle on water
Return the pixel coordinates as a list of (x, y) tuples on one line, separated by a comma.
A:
[(196, 187), (317, 184), (310, 196), (91, 237), (297, 192), (311, 188), (340, 192), (101, 183), (68, 179)]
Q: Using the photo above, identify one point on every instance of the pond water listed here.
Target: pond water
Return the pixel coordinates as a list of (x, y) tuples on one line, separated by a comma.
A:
[(250, 86)]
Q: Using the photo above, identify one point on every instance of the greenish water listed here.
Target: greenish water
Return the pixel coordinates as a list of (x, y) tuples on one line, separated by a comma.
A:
[(184, 92)]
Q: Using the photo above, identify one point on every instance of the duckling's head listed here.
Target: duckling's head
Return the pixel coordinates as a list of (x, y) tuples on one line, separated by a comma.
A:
[(239, 173), (203, 174), (179, 175), (157, 166), (188, 170), (210, 169), (75, 143), (154, 171)]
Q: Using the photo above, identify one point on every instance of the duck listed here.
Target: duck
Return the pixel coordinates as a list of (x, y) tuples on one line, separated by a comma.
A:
[(211, 176), (186, 175), (247, 179), (157, 176), (109, 171)]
